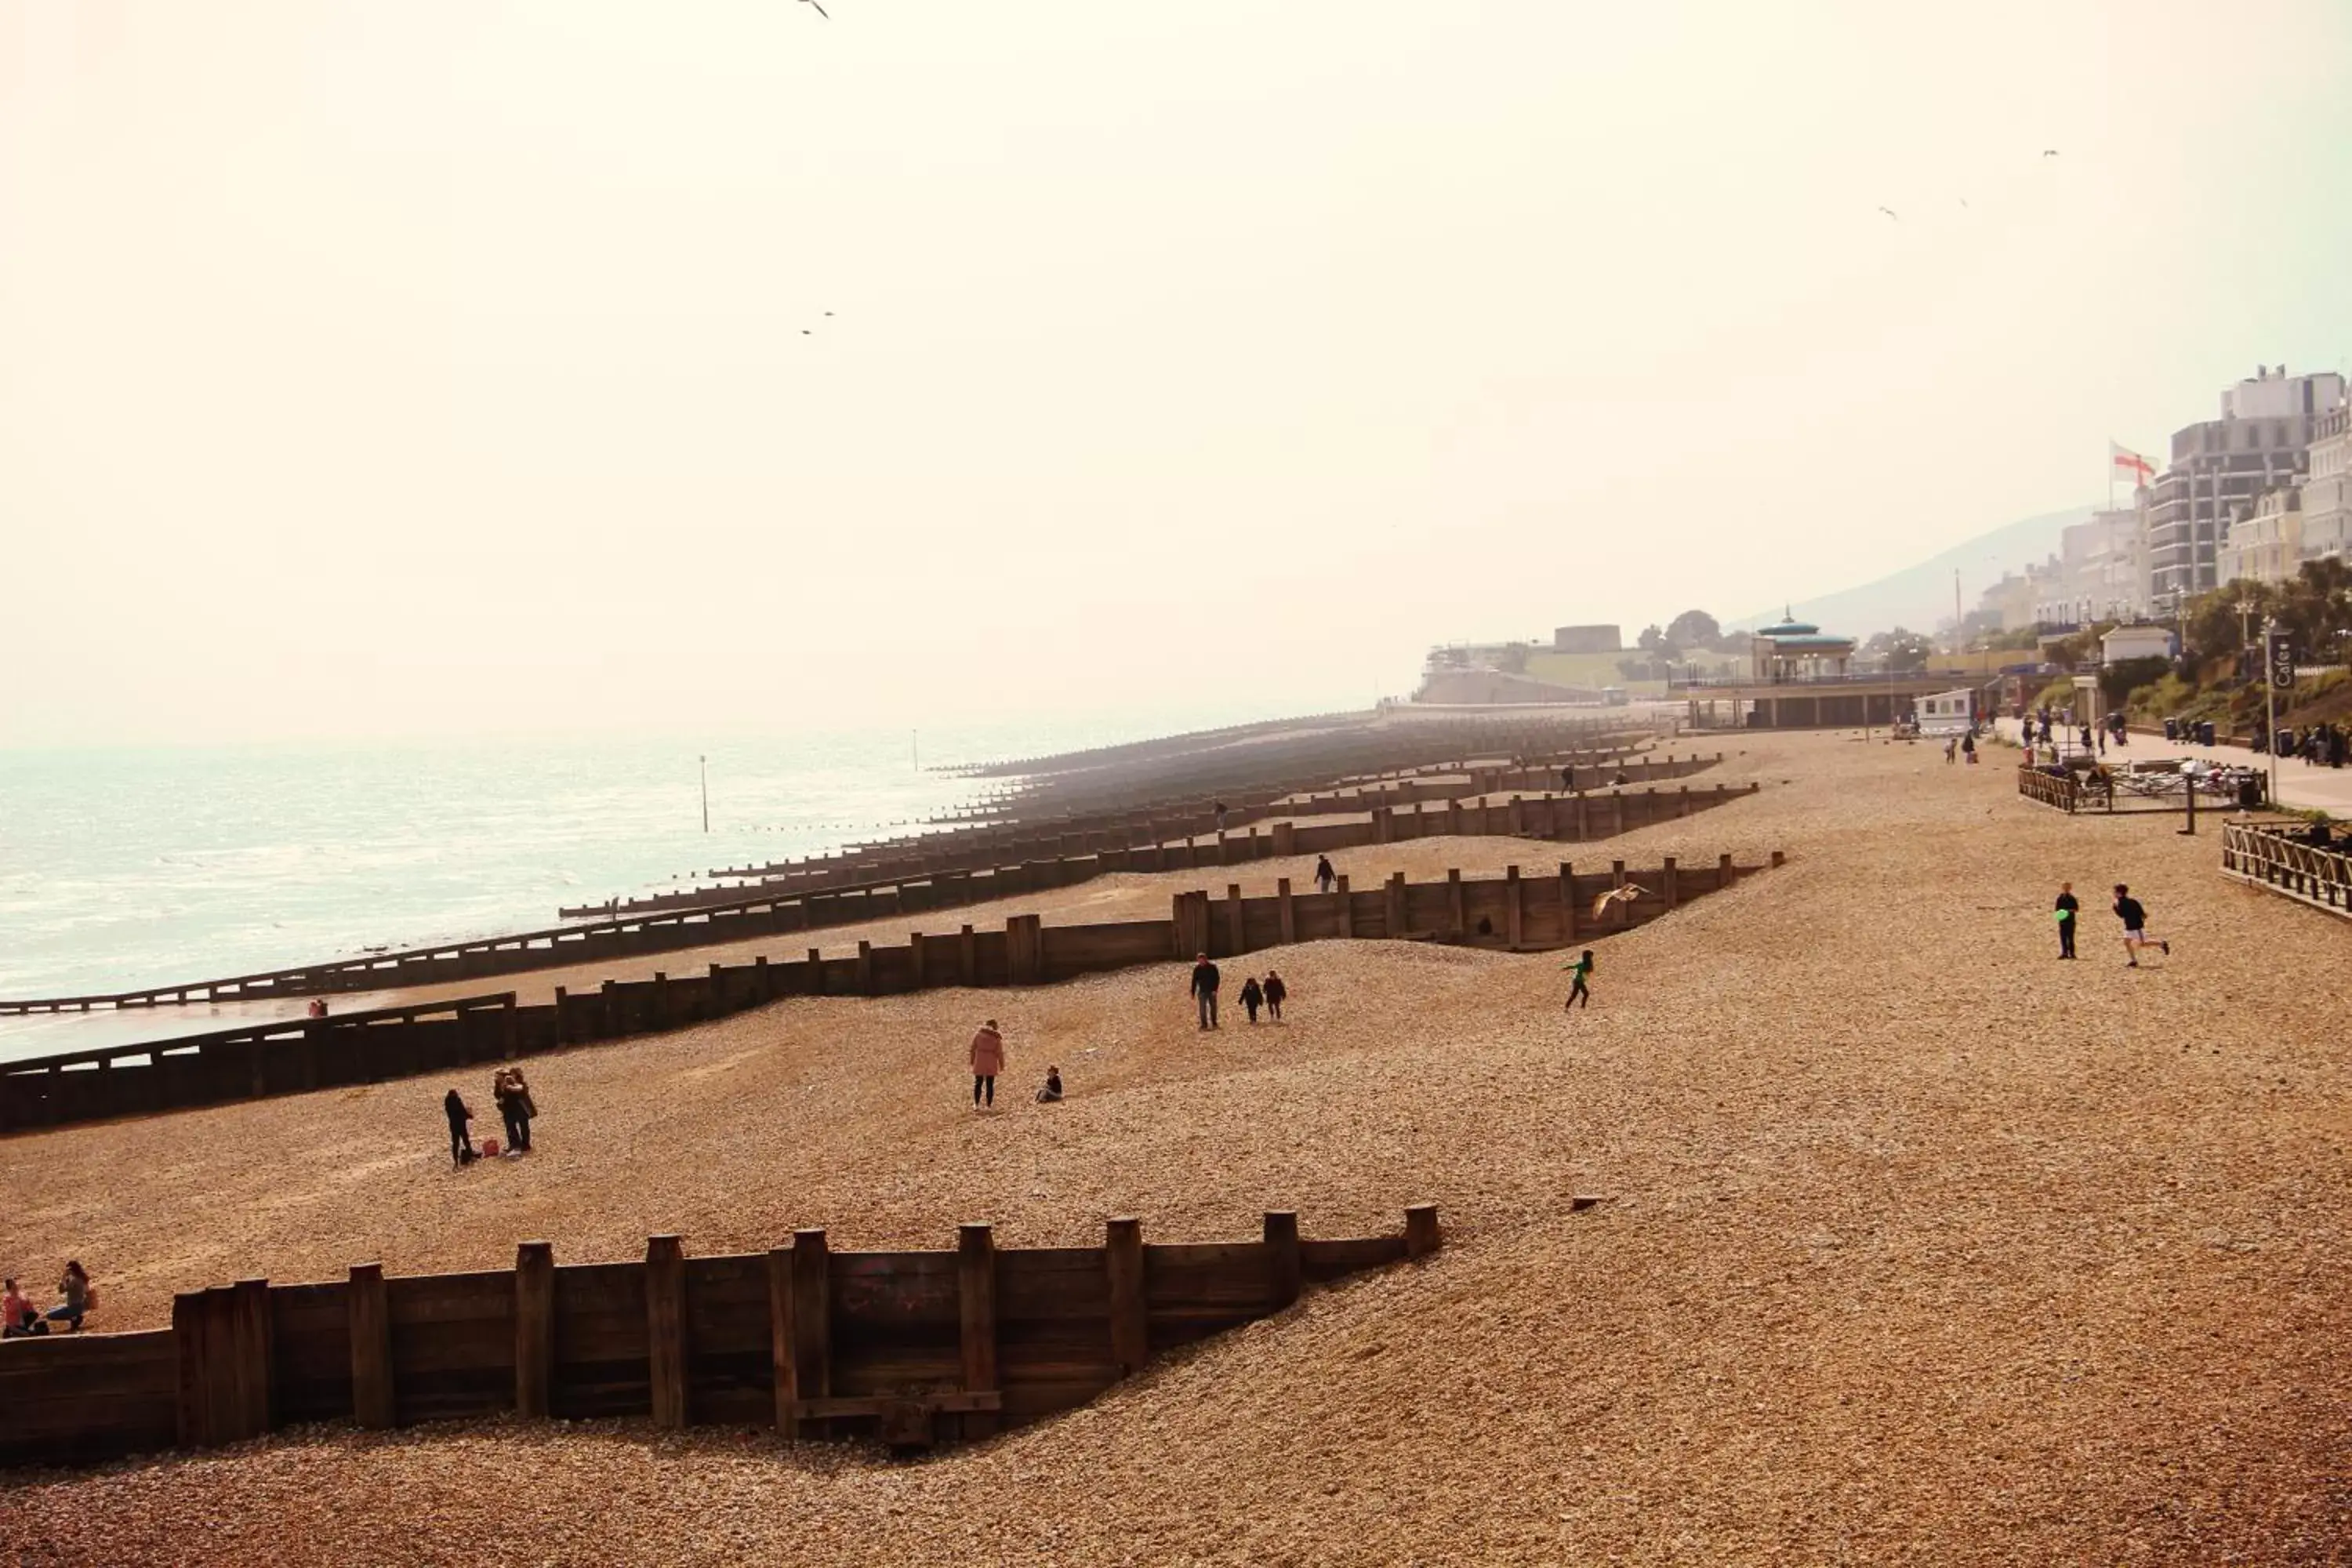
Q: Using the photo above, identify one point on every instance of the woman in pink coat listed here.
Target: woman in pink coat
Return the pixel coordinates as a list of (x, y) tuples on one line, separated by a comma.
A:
[(987, 1061)]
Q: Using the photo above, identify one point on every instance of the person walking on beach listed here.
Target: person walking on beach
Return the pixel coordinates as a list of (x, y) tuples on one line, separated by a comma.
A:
[(2135, 933), (515, 1107), (987, 1061), (461, 1144), (1324, 875), (2068, 908), (1581, 970), (1252, 998), (1275, 992), (1206, 980)]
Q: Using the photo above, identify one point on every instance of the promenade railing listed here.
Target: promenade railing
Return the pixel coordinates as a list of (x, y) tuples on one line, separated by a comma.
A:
[(2273, 858)]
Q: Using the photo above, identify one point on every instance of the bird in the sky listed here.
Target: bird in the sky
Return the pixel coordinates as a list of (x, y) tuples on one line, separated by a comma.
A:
[(2049, 152), (1890, 212), (820, 10)]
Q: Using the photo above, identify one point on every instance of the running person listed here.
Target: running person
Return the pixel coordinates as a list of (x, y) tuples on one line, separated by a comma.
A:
[(2135, 933), (1581, 969)]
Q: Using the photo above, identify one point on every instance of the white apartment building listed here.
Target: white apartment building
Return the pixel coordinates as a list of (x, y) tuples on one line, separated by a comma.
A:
[(2097, 573), (2266, 544), (2327, 493), (2219, 467)]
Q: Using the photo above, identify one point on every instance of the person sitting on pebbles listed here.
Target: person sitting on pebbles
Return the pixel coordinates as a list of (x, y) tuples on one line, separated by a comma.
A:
[(1053, 1090)]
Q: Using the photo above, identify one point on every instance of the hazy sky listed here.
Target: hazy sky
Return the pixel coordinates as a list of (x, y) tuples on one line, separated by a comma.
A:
[(394, 367)]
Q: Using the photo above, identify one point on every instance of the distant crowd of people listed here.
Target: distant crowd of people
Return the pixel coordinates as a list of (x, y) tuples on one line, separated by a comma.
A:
[(2319, 745)]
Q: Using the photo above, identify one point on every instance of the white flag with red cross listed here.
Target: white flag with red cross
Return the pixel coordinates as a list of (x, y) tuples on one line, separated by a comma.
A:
[(2122, 459)]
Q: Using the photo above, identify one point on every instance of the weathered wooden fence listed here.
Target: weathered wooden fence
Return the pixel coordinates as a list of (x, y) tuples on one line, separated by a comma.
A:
[(911, 1348), (1508, 912), (2266, 856), (1061, 861), (2113, 792)]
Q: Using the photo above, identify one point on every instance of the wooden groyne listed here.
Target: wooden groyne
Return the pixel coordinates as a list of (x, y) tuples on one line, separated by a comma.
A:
[(909, 1348), (919, 884), (1507, 913)]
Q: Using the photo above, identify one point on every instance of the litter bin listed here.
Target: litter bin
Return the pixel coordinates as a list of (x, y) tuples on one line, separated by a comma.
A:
[(2250, 792), (2171, 729), (2205, 732)]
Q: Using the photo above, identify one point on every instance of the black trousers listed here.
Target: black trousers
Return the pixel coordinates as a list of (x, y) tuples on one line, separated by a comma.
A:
[(517, 1127), (983, 1084), (459, 1144), (2065, 939), (1575, 989)]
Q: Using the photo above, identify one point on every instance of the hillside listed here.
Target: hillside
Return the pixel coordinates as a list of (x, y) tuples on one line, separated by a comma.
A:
[(1921, 596)]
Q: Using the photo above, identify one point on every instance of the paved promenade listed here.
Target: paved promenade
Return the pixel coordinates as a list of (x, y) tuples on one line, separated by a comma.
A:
[(2299, 783)]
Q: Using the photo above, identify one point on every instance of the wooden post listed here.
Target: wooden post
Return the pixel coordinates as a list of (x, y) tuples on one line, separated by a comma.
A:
[(811, 1321), (1513, 925), (782, 1362), (1131, 1329), (1515, 818), (968, 956), (611, 994), (1723, 875), (1288, 915), (1236, 940), (763, 979), (665, 1328), (976, 1298), (1394, 915), (866, 969), (1284, 1270), (816, 971), (1583, 817), (1668, 890), (661, 1000), (560, 995), (1779, 860), (534, 1326), (1421, 1236), (192, 1352), (1456, 910), (1347, 907), (915, 959), (1567, 902), (507, 1042), (370, 1318)]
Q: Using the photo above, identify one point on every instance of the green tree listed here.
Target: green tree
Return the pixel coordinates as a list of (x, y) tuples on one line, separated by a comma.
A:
[(1693, 628), (1652, 639), (1902, 649)]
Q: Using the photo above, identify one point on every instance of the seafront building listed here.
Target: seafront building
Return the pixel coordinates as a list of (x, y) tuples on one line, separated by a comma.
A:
[(2220, 468), (2327, 493), (2266, 545)]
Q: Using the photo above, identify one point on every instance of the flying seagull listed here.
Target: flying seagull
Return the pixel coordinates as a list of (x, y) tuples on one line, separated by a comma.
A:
[(820, 10), (2046, 151), (1890, 212)]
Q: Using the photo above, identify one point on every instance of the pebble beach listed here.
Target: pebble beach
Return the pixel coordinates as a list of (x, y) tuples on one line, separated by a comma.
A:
[(1913, 1243)]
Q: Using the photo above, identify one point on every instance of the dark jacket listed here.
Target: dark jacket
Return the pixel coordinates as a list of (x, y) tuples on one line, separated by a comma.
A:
[(1205, 978), (1251, 994), (1274, 989), (453, 1105), (2129, 910)]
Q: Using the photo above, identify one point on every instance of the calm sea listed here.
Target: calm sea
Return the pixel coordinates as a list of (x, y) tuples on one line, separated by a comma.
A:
[(123, 867)]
